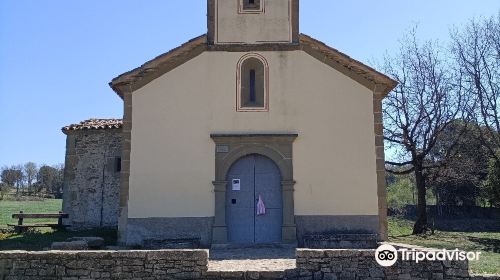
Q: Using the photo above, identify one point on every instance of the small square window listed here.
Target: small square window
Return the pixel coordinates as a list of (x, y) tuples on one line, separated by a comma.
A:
[(253, 5)]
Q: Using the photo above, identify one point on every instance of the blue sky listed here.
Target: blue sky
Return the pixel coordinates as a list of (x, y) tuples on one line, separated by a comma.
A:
[(57, 56)]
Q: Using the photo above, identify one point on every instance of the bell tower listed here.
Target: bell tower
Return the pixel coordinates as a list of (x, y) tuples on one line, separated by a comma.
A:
[(253, 22)]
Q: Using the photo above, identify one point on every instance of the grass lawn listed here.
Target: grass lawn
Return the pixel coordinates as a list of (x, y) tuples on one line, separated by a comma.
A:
[(42, 237), (9, 207), (486, 242)]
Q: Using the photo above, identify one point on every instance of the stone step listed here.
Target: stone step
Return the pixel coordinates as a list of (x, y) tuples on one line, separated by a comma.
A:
[(254, 275), (254, 246), (252, 264)]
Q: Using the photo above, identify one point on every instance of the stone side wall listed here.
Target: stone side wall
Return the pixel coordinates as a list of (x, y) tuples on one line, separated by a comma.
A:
[(91, 178), (361, 264), (123, 265)]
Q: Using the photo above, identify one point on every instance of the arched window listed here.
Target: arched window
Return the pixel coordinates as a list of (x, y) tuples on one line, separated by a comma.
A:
[(252, 81)]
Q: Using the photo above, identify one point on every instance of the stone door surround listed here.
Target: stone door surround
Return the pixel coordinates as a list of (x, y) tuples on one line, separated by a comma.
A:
[(231, 147)]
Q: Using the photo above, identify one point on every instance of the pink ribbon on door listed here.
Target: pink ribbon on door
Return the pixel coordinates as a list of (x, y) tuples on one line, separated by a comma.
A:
[(261, 208)]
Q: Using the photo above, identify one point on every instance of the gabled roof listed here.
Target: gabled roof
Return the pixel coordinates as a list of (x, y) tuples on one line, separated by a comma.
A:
[(362, 73), (140, 76), (94, 124)]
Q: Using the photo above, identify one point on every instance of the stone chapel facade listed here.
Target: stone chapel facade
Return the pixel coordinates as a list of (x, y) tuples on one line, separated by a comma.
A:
[(251, 113)]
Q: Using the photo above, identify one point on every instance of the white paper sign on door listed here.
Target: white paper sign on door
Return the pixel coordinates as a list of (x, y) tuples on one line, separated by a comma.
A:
[(236, 185)]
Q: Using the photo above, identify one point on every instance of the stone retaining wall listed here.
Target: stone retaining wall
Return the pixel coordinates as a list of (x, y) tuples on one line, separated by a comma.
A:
[(485, 277), (361, 264), (123, 265), (192, 264)]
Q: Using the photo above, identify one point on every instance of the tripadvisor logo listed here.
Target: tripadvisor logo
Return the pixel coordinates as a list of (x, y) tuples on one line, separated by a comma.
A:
[(387, 255)]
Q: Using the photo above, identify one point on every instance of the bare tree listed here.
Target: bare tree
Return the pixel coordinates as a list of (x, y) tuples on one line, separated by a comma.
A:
[(476, 51), (30, 172), (416, 112), (18, 171)]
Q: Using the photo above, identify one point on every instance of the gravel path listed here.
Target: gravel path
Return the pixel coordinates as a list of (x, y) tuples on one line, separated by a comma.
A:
[(252, 259)]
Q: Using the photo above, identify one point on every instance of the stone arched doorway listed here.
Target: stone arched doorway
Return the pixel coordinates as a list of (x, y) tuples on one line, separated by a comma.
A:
[(232, 147)]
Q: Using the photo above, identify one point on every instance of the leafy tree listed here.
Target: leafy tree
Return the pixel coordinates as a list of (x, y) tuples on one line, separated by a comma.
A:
[(50, 178), (59, 183), (417, 111), (463, 165), (400, 192), (491, 186), (12, 177), (8, 176), (3, 190)]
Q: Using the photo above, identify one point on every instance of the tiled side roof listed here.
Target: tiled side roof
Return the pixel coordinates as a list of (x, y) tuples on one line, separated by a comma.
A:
[(94, 124)]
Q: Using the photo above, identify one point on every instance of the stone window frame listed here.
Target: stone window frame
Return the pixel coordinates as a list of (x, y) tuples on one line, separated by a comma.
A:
[(232, 147), (263, 60), (244, 10)]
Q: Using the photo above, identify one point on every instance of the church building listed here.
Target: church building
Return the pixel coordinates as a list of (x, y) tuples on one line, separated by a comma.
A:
[(252, 133)]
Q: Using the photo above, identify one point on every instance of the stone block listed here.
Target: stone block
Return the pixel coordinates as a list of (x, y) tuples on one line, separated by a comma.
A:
[(330, 276), (253, 275), (72, 245), (92, 242), (376, 272)]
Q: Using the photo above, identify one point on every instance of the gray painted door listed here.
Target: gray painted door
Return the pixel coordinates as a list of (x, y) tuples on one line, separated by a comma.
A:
[(257, 175)]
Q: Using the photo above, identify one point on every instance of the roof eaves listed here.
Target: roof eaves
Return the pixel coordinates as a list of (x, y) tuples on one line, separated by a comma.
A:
[(362, 73), (94, 124), (140, 76)]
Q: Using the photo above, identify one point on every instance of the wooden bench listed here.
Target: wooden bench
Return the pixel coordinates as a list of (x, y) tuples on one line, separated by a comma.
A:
[(20, 227)]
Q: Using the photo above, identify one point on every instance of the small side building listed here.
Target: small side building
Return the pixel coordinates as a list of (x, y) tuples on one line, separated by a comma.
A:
[(92, 173)]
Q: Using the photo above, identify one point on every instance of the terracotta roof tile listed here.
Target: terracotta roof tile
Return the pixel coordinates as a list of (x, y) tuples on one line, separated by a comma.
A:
[(94, 124)]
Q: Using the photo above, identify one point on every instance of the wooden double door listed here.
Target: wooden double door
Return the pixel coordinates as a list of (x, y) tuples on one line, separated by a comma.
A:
[(250, 177)]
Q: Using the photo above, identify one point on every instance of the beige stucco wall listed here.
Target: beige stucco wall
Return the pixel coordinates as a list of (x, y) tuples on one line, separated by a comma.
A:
[(273, 25), (172, 157)]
